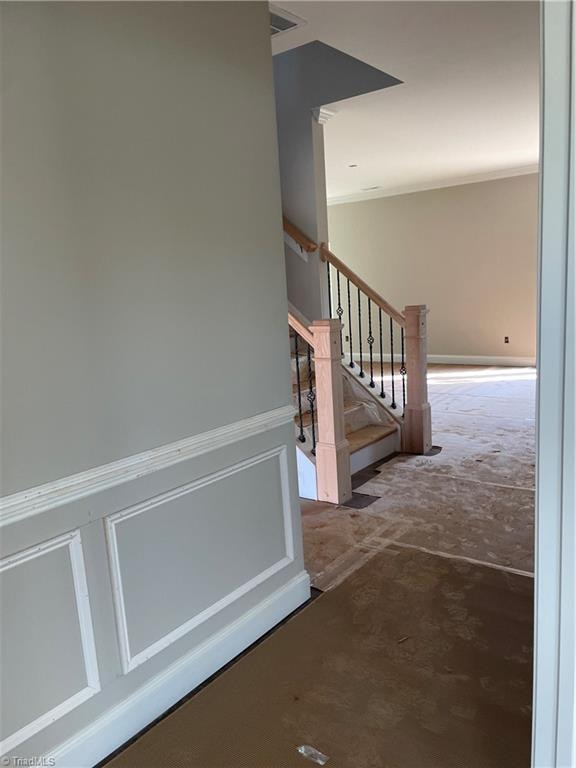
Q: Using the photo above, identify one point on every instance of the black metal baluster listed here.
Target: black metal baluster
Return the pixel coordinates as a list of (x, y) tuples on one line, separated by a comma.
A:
[(393, 403), (403, 370), (382, 393), (301, 436), (329, 289), (311, 396), (351, 363), (370, 344), (339, 310), (361, 374)]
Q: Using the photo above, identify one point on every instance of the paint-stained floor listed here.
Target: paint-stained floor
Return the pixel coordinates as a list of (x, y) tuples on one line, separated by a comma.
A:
[(472, 499)]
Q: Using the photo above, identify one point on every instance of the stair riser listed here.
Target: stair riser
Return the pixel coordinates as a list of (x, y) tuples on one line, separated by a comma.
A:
[(375, 452)]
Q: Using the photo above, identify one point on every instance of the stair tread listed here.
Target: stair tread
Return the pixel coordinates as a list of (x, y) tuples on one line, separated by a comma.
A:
[(360, 438), (307, 419)]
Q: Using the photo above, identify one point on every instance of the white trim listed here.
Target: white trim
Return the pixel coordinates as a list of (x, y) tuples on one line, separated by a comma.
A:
[(554, 715), (284, 14), (74, 544), (498, 360), (322, 114), (130, 661), (32, 501), (296, 247), (478, 178), (117, 725), (299, 315)]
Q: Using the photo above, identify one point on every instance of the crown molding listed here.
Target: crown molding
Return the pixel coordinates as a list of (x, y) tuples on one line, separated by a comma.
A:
[(502, 173), (322, 115)]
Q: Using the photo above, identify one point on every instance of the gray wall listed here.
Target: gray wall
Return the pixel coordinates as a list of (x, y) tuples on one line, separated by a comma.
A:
[(145, 365), (306, 78), (141, 237)]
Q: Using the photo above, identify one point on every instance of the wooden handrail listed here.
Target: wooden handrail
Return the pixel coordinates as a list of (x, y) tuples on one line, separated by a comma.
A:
[(299, 237), (327, 255), (300, 329)]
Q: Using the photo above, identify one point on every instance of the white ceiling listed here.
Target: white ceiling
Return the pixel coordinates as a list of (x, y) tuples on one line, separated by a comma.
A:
[(468, 108)]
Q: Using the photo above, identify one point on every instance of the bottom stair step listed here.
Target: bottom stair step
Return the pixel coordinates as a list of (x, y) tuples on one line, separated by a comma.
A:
[(371, 444), (360, 438)]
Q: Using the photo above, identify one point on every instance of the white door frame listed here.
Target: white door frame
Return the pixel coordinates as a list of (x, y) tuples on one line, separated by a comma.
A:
[(554, 725)]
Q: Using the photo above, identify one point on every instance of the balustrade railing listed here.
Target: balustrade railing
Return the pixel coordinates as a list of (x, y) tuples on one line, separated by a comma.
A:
[(303, 350), (371, 357), (393, 362)]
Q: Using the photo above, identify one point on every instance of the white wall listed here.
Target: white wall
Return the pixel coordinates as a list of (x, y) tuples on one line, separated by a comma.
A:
[(468, 252), (150, 521)]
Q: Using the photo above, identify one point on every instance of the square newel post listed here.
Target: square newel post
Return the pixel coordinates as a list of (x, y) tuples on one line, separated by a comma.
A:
[(417, 419), (333, 478)]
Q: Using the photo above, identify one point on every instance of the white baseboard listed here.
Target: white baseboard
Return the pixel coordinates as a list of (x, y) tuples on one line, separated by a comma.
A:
[(115, 727), (503, 360)]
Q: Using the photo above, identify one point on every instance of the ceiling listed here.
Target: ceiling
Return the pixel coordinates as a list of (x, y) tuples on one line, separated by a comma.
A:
[(467, 109)]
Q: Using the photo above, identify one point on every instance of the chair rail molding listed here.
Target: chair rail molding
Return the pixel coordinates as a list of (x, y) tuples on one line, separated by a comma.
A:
[(42, 498)]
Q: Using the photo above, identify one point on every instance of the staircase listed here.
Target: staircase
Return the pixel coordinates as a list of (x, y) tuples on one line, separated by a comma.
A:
[(371, 431), (358, 381)]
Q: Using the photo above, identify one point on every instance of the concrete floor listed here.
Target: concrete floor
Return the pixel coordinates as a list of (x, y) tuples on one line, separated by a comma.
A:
[(473, 499)]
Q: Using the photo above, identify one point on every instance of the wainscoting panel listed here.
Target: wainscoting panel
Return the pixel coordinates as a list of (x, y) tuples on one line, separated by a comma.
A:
[(179, 558), (126, 586), (49, 662)]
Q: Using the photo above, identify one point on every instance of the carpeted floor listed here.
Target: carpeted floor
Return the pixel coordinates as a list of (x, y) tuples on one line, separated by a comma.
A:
[(415, 661), (472, 499)]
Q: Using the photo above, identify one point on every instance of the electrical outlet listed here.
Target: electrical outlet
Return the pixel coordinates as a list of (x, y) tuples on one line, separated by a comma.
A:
[(346, 338), (506, 339)]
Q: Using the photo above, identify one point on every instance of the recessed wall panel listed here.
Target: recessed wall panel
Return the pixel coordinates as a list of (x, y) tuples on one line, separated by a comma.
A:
[(181, 557), (47, 650)]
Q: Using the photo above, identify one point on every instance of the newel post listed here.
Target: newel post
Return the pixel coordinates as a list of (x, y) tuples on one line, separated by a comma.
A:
[(417, 420), (333, 478)]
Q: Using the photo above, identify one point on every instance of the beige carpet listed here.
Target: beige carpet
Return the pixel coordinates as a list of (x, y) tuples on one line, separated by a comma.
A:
[(473, 499), (415, 661)]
